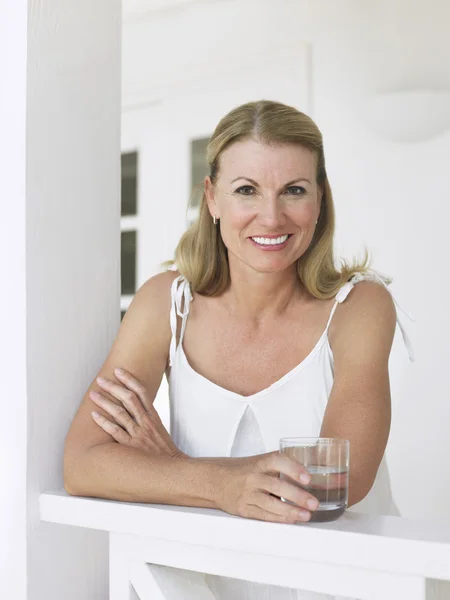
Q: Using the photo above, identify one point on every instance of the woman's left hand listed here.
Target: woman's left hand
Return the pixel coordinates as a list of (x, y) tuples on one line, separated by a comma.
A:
[(135, 422)]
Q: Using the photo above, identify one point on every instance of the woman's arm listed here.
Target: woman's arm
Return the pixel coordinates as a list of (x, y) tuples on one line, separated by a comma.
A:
[(142, 346), (359, 408), (96, 465)]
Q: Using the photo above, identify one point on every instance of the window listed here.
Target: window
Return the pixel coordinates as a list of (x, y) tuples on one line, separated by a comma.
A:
[(199, 170), (129, 235), (129, 184), (128, 263)]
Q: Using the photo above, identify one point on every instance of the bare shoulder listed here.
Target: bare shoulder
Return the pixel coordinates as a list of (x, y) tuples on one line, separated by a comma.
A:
[(367, 297), (147, 320), (155, 292), (144, 334), (366, 319), (145, 329)]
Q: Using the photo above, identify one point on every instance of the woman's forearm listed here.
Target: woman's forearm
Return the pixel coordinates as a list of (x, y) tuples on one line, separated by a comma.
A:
[(127, 474)]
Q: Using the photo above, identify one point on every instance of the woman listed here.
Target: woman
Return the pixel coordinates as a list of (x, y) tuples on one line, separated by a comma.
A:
[(260, 337)]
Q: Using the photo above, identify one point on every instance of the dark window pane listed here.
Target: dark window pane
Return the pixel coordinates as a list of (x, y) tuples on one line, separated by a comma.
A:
[(199, 169), (128, 262), (129, 184), (122, 314)]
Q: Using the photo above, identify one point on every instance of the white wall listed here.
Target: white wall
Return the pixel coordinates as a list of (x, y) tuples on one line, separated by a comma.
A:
[(59, 256), (389, 195)]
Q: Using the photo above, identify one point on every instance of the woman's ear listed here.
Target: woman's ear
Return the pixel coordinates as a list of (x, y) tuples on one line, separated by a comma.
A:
[(320, 200), (210, 197)]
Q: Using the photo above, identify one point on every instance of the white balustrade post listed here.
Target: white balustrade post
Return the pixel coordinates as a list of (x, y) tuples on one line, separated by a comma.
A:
[(120, 587), (397, 587), (158, 582)]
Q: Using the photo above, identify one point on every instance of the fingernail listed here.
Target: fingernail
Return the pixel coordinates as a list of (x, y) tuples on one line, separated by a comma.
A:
[(95, 414), (101, 380), (312, 503), (305, 515), (119, 371), (304, 478)]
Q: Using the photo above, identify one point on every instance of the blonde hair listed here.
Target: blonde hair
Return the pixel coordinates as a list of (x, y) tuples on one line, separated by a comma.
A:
[(201, 255)]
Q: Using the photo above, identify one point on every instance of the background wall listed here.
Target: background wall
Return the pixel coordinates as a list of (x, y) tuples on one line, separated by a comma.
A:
[(387, 160)]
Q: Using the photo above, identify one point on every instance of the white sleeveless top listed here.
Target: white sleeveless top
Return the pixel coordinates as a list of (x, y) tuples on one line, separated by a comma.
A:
[(210, 421)]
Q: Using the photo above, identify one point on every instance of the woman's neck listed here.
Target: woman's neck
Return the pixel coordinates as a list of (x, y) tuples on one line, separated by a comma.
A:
[(260, 296)]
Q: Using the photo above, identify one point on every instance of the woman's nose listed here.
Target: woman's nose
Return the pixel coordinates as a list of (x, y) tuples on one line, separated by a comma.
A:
[(271, 212)]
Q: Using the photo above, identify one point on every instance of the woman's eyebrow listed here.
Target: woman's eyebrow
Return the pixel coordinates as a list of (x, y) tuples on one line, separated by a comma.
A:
[(286, 184)]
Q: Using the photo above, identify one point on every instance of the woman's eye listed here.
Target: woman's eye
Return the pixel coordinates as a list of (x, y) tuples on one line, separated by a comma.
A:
[(245, 190), (296, 190)]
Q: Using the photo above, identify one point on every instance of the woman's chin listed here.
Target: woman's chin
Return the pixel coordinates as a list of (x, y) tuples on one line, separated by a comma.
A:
[(263, 262), (271, 265)]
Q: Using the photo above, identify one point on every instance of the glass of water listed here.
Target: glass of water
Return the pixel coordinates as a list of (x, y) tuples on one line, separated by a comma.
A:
[(327, 460)]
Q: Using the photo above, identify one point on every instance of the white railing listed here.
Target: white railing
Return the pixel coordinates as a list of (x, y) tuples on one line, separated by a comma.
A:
[(160, 552)]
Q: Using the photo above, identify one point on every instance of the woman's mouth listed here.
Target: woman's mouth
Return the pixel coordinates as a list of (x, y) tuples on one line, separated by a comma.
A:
[(272, 242)]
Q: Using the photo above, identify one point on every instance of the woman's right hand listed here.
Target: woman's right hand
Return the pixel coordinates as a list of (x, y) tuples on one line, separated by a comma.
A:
[(253, 489)]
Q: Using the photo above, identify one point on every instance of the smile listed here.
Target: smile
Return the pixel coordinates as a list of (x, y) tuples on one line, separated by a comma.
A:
[(271, 243)]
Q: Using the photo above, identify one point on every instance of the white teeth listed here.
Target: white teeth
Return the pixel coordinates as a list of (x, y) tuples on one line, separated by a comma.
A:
[(270, 241)]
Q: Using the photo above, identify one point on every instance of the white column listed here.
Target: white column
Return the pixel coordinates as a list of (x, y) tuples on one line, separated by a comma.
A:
[(13, 424), (59, 260)]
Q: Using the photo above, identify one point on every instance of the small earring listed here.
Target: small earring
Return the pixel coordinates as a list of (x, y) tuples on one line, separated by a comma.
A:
[(214, 220)]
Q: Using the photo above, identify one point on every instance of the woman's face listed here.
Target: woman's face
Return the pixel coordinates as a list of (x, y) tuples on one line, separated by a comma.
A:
[(268, 202)]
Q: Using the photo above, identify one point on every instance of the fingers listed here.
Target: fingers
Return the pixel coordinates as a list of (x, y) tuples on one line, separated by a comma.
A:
[(275, 463), (264, 507), (288, 513), (290, 492), (126, 396), (119, 414), (112, 428), (131, 382), (135, 386), (256, 512)]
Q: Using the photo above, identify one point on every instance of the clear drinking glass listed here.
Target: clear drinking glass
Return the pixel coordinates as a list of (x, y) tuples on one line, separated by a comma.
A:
[(327, 460)]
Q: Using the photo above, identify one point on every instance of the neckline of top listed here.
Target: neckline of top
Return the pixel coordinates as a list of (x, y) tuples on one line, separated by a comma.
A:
[(278, 383)]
